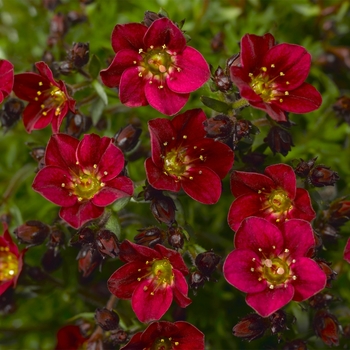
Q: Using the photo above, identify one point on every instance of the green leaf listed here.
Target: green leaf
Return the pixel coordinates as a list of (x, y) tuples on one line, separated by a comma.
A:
[(100, 91), (216, 105), (94, 66), (120, 203), (97, 108)]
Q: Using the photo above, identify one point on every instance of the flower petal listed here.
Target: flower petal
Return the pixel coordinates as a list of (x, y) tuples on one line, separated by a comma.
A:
[(132, 88), (347, 251), (26, 85), (175, 259), (302, 208), (260, 236), (133, 252), (157, 178), (180, 289), (194, 72), (270, 300), (243, 207), (164, 100), (114, 189), (303, 99), (48, 182), (128, 36), (123, 59), (243, 183), (165, 32), (237, 271), (34, 119), (205, 186), (284, 177), (148, 307), (111, 163), (188, 337), (310, 279), (274, 110), (298, 237), (6, 78), (80, 213), (253, 49), (46, 72)]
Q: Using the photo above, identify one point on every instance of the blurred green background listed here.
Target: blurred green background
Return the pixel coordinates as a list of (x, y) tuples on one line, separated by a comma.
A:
[(322, 27)]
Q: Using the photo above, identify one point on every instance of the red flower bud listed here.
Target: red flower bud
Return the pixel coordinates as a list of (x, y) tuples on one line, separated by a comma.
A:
[(163, 209), (339, 212), (127, 138), (217, 43), (321, 300), (278, 322), (77, 123), (342, 108), (219, 128), (251, 327), (303, 168), (107, 319), (175, 237), (118, 337), (296, 344), (207, 262), (322, 175), (150, 17), (197, 279), (325, 266), (326, 327), (79, 54), (150, 236), (107, 243), (33, 232), (88, 259), (221, 80), (279, 139)]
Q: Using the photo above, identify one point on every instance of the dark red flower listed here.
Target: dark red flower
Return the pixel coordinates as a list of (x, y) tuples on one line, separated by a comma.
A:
[(69, 338), (347, 251), (165, 335), (11, 261), (151, 278), (183, 157), (270, 264), (6, 79), (154, 66), (82, 176), (48, 99), (272, 77), (273, 196)]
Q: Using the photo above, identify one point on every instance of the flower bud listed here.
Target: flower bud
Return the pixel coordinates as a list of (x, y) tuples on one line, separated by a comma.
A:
[(107, 319), (233, 61), (51, 260), (175, 237), (278, 322), (88, 259), (322, 175), (58, 28), (197, 279), (127, 138), (66, 67), (221, 80), (251, 327), (325, 266), (326, 327), (51, 4), (242, 129), (342, 108), (77, 123), (303, 168), (320, 300), (56, 238), (207, 262), (75, 17), (163, 209), (296, 344), (11, 113), (217, 43), (279, 140), (118, 337), (150, 236), (339, 212), (219, 128), (33, 232), (107, 243), (150, 17), (84, 236), (79, 54), (150, 193)]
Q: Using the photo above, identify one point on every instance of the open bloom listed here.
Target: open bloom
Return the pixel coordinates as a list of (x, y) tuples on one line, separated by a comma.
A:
[(165, 335), (273, 196), (69, 338), (151, 278), (82, 176), (6, 79), (11, 261), (272, 77), (183, 157), (154, 66), (270, 264), (48, 99), (347, 251)]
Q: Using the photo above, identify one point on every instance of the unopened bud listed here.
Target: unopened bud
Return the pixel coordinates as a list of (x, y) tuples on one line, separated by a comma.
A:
[(150, 236), (197, 280), (127, 138), (107, 243), (175, 237), (118, 337), (296, 344), (51, 260), (219, 128), (33, 232), (107, 319), (321, 300), (304, 167), (322, 175), (150, 17), (88, 259), (342, 108), (279, 140), (326, 327), (11, 113), (251, 327), (217, 43), (330, 273), (221, 80), (278, 322), (79, 54), (207, 262), (163, 209)]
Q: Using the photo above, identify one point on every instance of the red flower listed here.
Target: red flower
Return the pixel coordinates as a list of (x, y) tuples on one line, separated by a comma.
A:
[(11, 261), (270, 264), (271, 77), (69, 338), (273, 196), (82, 177), (6, 79), (347, 251), (166, 335), (154, 66), (183, 157), (151, 278), (48, 99)]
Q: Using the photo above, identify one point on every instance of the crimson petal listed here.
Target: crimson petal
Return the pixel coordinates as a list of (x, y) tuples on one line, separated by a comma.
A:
[(128, 36), (284, 177)]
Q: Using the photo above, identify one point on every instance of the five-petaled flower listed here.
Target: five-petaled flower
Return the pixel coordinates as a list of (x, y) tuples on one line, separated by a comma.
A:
[(151, 278), (272, 77), (165, 335), (82, 177), (6, 79), (273, 196), (48, 99), (271, 264), (154, 66), (11, 261), (183, 157)]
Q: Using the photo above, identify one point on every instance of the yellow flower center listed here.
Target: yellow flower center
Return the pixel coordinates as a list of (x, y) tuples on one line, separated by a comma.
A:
[(174, 163), (157, 61), (162, 344), (163, 271), (279, 201), (275, 271), (8, 265)]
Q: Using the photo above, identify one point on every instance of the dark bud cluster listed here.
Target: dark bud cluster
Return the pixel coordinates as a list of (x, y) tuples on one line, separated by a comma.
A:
[(150, 236), (327, 327), (107, 244), (219, 128), (221, 80), (11, 112), (108, 320), (77, 57), (217, 43), (175, 237), (279, 139), (32, 232), (77, 124), (303, 168)]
